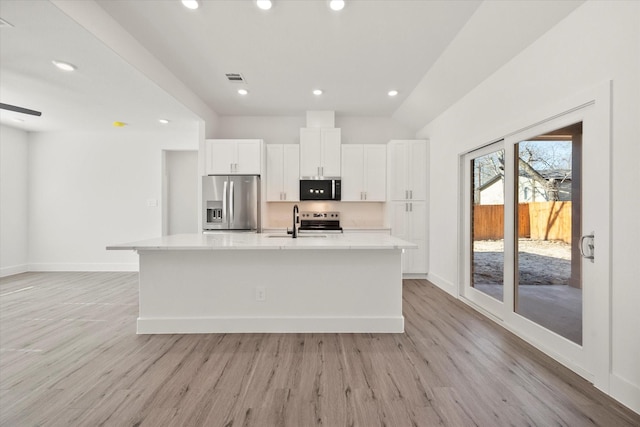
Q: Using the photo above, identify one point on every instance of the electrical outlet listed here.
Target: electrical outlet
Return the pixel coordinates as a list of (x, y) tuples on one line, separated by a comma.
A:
[(261, 293)]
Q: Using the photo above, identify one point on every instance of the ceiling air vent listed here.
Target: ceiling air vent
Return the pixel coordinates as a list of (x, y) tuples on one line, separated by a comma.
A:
[(4, 24), (235, 78)]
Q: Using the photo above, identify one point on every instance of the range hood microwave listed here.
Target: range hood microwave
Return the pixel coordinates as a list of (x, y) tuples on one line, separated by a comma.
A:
[(322, 188)]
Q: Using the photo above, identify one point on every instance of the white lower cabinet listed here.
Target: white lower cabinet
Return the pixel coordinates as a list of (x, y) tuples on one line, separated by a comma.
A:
[(283, 172), (408, 222)]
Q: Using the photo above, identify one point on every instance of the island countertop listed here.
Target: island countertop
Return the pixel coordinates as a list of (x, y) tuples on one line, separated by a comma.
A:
[(268, 241)]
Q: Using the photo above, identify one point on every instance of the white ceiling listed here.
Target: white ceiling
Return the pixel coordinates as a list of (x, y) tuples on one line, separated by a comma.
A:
[(433, 52)]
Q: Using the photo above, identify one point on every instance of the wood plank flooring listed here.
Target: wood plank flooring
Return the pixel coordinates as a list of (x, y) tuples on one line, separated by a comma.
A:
[(69, 356)]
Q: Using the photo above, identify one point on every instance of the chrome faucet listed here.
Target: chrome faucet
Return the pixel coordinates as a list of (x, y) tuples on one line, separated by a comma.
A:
[(296, 219)]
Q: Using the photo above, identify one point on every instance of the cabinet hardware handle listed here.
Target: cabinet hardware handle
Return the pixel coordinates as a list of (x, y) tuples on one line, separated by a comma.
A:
[(410, 207), (406, 194), (411, 194), (284, 196), (406, 207), (365, 195)]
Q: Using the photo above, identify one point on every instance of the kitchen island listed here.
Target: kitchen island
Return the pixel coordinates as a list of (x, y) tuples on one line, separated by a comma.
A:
[(248, 282)]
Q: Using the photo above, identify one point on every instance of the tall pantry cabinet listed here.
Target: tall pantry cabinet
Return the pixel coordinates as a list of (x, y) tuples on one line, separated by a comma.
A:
[(407, 207)]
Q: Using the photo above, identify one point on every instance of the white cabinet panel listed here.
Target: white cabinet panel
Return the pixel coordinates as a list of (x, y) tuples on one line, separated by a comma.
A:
[(275, 172), (408, 170), (364, 172), (375, 173), (407, 175), (320, 152), (330, 147), (234, 157), (291, 173), (283, 172), (352, 173), (408, 222), (221, 157), (249, 159)]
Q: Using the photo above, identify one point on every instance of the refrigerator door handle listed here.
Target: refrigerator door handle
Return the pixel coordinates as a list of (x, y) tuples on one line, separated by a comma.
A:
[(231, 202), (224, 203)]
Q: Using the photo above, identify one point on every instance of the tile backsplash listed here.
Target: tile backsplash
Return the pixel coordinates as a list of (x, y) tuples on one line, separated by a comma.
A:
[(352, 214)]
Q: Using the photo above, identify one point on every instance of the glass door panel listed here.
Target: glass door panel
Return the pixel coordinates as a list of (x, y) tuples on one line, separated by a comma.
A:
[(548, 273), (487, 224)]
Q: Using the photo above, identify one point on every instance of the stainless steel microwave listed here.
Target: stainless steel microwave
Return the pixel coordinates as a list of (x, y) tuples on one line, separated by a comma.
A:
[(320, 189)]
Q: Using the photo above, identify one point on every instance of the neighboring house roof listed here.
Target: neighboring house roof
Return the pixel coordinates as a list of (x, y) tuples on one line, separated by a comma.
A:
[(490, 182), (548, 174)]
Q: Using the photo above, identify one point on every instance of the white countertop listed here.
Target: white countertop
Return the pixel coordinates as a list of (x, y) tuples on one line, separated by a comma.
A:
[(254, 241)]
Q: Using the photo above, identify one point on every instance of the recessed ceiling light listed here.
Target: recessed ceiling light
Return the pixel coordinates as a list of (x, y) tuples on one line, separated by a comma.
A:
[(243, 91), (163, 121), (336, 4), (317, 92), (119, 124), (64, 66), (190, 4), (264, 4), (392, 93)]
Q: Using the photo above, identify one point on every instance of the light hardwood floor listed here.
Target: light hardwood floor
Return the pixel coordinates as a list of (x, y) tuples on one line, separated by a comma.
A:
[(69, 355)]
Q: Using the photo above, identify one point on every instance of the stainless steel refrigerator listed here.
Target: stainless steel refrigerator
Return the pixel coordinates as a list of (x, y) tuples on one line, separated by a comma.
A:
[(231, 202)]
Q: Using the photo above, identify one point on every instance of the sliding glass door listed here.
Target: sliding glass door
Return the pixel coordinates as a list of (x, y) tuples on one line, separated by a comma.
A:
[(535, 236), (549, 268)]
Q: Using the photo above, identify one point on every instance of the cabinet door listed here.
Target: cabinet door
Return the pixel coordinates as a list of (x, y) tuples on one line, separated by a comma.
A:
[(352, 173), (310, 158), (275, 172), (249, 158), (375, 172), (417, 160), (291, 172), (330, 152), (398, 154), (417, 219), (221, 156), (399, 222)]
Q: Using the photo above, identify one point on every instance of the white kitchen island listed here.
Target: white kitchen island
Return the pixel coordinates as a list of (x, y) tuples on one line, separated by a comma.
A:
[(246, 282)]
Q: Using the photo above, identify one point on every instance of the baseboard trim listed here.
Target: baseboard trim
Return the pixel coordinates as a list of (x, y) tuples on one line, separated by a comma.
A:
[(210, 325), (414, 276), (14, 269), (624, 392), (443, 284), (82, 267)]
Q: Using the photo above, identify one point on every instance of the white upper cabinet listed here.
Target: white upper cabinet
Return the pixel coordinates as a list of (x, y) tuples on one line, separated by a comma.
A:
[(364, 175), (283, 172), (320, 152), (408, 170), (233, 157)]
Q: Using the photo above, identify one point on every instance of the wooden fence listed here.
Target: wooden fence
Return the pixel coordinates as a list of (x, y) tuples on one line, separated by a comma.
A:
[(539, 221)]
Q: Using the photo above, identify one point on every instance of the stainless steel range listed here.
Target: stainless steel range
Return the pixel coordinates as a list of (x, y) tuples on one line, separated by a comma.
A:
[(321, 222)]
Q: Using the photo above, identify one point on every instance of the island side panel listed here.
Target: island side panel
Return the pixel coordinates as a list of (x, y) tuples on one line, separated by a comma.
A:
[(204, 291)]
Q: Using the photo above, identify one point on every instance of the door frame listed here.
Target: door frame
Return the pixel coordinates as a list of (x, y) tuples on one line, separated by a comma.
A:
[(598, 98)]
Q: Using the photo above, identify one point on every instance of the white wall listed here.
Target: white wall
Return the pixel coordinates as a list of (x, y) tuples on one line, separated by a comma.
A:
[(599, 41), (89, 190), (13, 200), (181, 177), (286, 130)]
